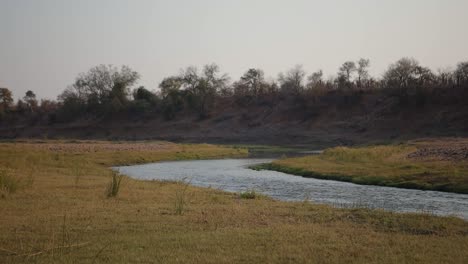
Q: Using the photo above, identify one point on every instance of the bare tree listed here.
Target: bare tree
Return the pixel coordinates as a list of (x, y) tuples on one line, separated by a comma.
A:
[(362, 70), (190, 78), (315, 79), (213, 77), (461, 72), (346, 70), (445, 76), (292, 81)]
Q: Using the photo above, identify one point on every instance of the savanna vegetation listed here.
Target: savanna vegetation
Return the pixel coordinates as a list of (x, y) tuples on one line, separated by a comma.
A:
[(107, 92), (55, 207), (417, 165)]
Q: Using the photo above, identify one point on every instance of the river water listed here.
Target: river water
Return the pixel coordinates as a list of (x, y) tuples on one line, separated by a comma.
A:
[(233, 175)]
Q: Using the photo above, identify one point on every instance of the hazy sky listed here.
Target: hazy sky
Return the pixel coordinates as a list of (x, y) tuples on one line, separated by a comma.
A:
[(44, 44)]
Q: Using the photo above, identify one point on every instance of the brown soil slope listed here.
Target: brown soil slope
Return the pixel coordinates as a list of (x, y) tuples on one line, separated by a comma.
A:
[(284, 122)]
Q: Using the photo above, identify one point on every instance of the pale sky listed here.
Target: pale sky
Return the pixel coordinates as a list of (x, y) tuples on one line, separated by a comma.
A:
[(44, 44)]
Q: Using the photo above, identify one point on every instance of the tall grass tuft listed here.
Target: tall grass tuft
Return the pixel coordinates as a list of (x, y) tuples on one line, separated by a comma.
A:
[(181, 197), (114, 185), (8, 183), (78, 172), (249, 194)]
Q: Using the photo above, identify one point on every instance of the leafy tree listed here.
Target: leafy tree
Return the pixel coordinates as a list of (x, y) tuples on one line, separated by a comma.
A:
[(169, 84), (407, 72), (48, 109), (251, 83), (48, 106), (73, 104), (143, 100), (21, 106), (209, 84), (211, 74), (104, 83), (201, 89), (172, 97), (172, 103), (71, 109), (31, 101), (143, 94), (6, 99), (346, 71)]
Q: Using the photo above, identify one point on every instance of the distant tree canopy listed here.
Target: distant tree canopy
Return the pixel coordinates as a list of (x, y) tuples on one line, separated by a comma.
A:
[(141, 93), (103, 89), (362, 71), (30, 100), (102, 84), (293, 80), (347, 70), (315, 79), (407, 72), (106, 90), (461, 72), (195, 90), (251, 83), (6, 98)]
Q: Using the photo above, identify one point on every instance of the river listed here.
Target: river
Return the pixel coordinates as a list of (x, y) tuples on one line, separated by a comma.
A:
[(233, 175)]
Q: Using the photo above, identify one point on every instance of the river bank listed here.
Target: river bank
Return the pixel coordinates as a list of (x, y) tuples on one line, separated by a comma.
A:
[(438, 165), (60, 213)]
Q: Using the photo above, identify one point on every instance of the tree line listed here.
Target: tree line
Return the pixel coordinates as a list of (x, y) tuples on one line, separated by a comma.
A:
[(107, 91)]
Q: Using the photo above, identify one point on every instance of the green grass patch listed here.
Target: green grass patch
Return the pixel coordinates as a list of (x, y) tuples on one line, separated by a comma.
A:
[(250, 194), (378, 165)]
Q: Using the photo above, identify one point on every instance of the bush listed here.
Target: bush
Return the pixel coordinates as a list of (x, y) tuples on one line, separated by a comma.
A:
[(249, 194), (140, 106), (2, 114)]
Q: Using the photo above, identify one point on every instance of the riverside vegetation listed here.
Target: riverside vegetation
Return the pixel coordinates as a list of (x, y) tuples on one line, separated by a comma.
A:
[(387, 165), (55, 208), (195, 105)]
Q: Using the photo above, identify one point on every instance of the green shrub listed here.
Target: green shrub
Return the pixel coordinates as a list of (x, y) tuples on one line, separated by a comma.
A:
[(249, 194)]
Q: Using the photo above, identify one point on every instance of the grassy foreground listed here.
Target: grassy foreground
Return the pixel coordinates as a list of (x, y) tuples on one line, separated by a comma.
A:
[(58, 212), (379, 165)]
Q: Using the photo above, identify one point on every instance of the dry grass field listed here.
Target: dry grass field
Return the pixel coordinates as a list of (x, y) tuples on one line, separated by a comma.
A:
[(54, 208)]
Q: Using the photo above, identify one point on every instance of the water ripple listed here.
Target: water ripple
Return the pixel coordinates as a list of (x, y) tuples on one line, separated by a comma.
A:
[(232, 175)]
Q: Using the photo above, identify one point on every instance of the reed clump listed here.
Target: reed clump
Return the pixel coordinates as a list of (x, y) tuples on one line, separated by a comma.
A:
[(114, 185), (181, 198)]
